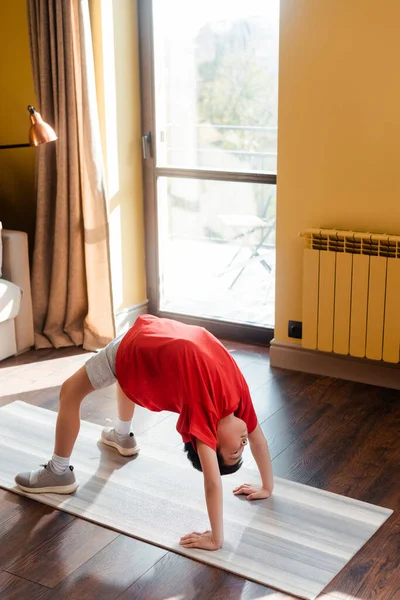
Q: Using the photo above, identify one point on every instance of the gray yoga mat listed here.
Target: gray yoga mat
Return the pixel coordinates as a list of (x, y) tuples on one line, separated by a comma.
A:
[(297, 541)]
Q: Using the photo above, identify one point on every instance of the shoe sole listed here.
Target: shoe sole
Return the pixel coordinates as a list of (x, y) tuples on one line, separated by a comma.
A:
[(60, 489), (122, 451)]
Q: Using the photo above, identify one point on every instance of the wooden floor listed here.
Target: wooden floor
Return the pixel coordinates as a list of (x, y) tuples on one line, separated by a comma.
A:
[(336, 435)]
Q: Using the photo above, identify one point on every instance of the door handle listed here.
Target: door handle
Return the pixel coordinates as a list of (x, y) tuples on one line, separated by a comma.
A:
[(146, 141)]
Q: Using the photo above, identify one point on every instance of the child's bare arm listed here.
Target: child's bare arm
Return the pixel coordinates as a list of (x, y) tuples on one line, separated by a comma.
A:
[(260, 452), (213, 489), (209, 540)]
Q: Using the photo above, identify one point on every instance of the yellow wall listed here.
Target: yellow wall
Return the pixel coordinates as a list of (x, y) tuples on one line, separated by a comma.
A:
[(17, 166), (115, 43), (339, 129)]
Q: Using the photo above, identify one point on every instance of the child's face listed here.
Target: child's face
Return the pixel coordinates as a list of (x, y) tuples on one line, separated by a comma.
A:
[(232, 438)]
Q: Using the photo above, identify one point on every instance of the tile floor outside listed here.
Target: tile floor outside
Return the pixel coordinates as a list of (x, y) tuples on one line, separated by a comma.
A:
[(197, 280)]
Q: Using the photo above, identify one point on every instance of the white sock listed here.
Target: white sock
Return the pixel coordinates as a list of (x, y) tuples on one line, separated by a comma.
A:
[(123, 428), (59, 464)]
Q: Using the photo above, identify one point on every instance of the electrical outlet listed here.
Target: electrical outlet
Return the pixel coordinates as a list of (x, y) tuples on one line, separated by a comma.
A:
[(295, 329)]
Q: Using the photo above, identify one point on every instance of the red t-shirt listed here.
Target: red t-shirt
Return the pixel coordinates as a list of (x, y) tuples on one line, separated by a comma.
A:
[(165, 365)]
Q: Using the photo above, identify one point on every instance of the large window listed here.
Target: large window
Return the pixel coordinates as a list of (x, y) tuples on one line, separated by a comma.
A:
[(209, 97)]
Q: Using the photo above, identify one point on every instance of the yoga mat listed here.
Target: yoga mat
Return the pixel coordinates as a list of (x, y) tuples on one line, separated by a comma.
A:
[(297, 541)]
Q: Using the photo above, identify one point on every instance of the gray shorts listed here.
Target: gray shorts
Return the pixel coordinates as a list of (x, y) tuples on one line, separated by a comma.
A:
[(100, 368)]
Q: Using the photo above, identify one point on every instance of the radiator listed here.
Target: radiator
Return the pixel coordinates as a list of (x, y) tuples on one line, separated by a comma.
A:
[(351, 294)]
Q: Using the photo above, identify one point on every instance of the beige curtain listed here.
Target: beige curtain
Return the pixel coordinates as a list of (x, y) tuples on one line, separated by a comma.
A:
[(71, 281)]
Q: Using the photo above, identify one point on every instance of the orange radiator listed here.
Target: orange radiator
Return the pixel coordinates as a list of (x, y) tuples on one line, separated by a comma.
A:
[(351, 293)]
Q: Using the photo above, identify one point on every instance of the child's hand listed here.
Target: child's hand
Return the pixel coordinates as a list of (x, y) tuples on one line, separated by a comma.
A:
[(253, 492), (199, 540)]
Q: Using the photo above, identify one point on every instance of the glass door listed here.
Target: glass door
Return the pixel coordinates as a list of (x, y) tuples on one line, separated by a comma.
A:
[(209, 75)]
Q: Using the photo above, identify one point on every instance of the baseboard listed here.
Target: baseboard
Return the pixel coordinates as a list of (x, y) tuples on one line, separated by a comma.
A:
[(126, 317), (290, 356)]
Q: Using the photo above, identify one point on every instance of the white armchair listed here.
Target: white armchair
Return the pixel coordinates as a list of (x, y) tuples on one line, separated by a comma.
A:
[(16, 318)]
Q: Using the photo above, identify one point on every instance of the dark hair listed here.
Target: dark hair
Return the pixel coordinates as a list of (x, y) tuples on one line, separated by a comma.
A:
[(223, 468)]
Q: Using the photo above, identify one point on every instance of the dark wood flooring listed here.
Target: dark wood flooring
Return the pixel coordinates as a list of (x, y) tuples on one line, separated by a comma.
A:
[(336, 435)]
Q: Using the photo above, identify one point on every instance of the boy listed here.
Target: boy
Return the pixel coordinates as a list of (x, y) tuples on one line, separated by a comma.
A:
[(162, 364)]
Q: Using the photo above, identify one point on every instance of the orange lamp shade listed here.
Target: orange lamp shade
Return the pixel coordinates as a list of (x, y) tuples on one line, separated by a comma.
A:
[(40, 132)]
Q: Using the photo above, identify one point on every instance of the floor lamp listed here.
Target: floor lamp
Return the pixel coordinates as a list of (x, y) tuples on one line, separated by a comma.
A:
[(39, 132)]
